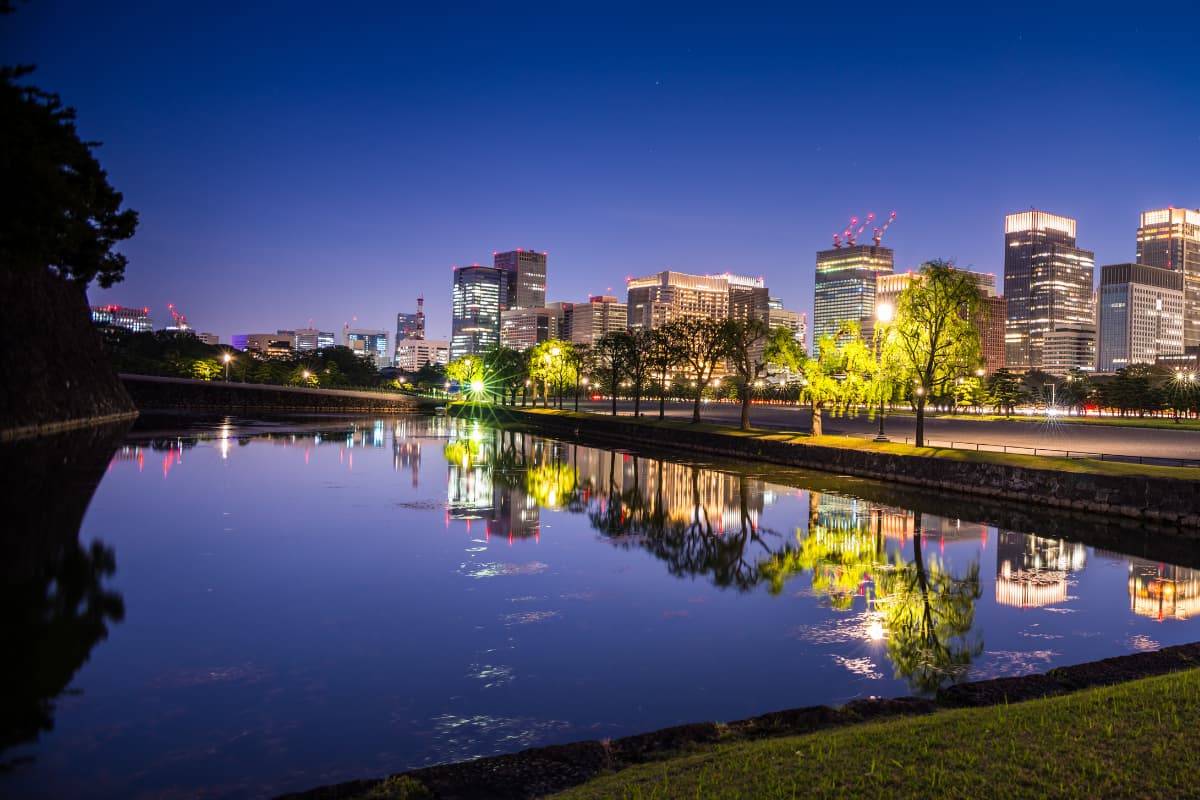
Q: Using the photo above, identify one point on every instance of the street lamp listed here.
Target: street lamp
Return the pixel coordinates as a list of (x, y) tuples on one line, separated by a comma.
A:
[(227, 357), (884, 314)]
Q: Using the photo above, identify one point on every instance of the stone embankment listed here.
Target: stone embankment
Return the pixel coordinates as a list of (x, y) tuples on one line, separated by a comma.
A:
[(153, 393), (1152, 495)]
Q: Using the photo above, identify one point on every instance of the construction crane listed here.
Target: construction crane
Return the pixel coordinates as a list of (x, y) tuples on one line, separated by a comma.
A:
[(865, 223), (178, 320), (879, 232)]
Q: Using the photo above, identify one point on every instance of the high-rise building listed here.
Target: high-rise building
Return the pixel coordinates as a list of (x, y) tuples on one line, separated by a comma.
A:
[(522, 328), (601, 314), (1140, 315), (480, 294), (368, 343), (209, 338), (1069, 347), (1169, 238), (307, 339), (794, 321), (1047, 284), (133, 319), (658, 299), (844, 290), (527, 276), (412, 354), (264, 344), (411, 326)]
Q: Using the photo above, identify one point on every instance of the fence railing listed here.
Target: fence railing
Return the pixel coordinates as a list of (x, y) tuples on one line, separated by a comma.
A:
[(1052, 452)]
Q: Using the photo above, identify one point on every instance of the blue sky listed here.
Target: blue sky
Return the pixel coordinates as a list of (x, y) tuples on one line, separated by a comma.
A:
[(294, 162)]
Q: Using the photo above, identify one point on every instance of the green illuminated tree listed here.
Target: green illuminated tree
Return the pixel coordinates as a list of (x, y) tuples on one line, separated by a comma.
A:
[(935, 340), (506, 370), (839, 378), (1003, 391)]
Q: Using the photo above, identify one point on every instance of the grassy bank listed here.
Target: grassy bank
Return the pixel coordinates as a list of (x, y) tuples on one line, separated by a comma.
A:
[(1130, 740), (1086, 466)]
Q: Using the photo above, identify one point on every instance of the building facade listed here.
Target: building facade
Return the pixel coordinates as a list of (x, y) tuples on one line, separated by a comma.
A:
[(794, 321), (411, 326), (527, 277), (1141, 315), (1169, 238), (132, 319), (479, 295), (600, 315), (308, 339), (522, 328), (655, 300), (844, 290), (412, 354), (1047, 284), (264, 344), (1069, 347), (368, 343)]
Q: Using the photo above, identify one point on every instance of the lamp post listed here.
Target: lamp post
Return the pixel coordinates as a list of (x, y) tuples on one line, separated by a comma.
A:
[(583, 382), (884, 314), (227, 357)]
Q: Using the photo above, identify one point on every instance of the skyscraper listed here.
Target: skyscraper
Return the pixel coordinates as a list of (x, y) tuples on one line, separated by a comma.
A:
[(368, 343), (845, 287), (601, 314), (794, 321), (133, 319), (1140, 315), (480, 294), (522, 328), (1169, 238), (527, 276), (1047, 283)]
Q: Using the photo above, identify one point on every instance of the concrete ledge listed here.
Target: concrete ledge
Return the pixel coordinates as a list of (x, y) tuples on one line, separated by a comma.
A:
[(155, 393), (49, 428), (1147, 497)]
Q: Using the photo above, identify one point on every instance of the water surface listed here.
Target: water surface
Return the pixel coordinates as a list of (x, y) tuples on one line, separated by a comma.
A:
[(257, 609)]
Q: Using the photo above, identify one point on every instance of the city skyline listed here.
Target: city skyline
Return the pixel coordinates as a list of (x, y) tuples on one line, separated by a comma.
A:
[(698, 142)]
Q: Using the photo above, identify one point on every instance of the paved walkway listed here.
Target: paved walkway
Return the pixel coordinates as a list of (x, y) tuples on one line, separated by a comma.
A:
[(1158, 442)]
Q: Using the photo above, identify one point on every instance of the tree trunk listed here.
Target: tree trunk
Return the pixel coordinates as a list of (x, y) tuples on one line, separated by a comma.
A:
[(637, 401), (696, 405), (920, 420), (614, 393), (746, 407), (817, 428)]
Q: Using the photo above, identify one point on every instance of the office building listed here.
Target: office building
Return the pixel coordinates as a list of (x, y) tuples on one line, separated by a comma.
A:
[(794, 321), (527, 277), (655, 300), (209, 338), (522, 328), (308, 339), (131, 319), (263, 344), (1047, 284), (368, 343), (412, 354), (411, 326), (844, 290), (1069, 347), (1140, 315), (1169, 238), (600, 315), (479, 295)]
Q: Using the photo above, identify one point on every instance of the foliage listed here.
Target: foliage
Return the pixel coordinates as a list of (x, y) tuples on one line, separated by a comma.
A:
[(465, 370), (745, 347), (506, 370), (1003, 391), (839, 376), (703, 342), (662, 356), (934, 339), (611, 362), (551, 363), (60, 212)]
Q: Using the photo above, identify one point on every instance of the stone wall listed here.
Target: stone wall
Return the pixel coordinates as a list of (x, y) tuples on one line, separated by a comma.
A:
[(1162, 500), (55, 374), (152, 393)]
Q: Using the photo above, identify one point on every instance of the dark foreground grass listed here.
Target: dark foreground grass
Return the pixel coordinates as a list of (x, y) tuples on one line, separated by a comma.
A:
[(1136, 739)]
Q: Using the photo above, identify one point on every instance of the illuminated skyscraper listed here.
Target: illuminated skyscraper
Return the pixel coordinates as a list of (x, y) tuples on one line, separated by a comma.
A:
[(411, 326), (368, 343), (133, 319), (1047, 283), (1169, 238), (527, 277), (601, 314), (1141, 315), (845, 287), (658, 299), (480, 294)]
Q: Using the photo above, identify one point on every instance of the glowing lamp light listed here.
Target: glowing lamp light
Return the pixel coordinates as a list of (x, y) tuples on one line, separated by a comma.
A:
[(477, 386), (227, 358)]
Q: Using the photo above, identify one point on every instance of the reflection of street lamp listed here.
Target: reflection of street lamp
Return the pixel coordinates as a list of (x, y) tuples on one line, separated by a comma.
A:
[(884, 314), (227, 357)]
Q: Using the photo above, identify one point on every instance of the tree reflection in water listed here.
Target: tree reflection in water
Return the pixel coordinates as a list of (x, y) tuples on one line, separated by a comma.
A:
[(56, 606)]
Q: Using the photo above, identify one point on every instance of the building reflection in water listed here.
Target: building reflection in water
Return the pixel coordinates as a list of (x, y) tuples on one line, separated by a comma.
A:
[(1033, 571), (1162, 591)]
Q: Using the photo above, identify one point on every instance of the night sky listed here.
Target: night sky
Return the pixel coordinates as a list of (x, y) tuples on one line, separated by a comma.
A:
[(323, 162)]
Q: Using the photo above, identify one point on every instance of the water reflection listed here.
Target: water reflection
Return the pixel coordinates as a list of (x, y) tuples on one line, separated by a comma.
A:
[(1162, 591), (57, 605)]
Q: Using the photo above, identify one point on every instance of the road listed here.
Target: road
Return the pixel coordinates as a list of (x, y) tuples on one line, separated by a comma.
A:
[(1154, 442)]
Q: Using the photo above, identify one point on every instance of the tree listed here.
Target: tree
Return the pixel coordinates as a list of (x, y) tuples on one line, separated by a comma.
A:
[(662, 355), (637, 364), (465, 371), (506, 369), (935, 339), (840, 375), (611, 358), (745, 341), (1003, 391), (1075, 390), (702, 343), (60, 212), (550, 362), (580, 358)]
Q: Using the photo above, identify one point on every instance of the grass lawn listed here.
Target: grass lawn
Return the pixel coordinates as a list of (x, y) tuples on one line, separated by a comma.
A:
[(1132, 740), (1061, 464)]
